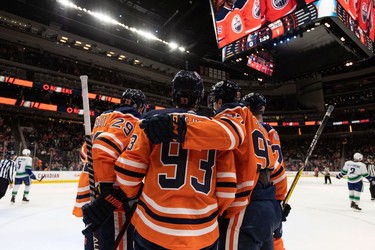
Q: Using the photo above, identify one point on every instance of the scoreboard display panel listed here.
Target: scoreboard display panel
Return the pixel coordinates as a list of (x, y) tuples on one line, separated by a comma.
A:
[(235, 36), (273, 30)]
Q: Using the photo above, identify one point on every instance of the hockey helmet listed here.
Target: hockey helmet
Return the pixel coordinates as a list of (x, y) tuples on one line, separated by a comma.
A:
[(26, 152), (10, 154), (133, 97), (187, 88), (255, 102), (225, 90), (358, 157)]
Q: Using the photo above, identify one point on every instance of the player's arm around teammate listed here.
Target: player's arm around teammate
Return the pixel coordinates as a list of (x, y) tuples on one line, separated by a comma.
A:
[(233, 128), (184, 190)]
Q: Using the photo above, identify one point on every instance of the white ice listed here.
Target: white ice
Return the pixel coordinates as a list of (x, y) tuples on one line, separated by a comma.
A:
[(321, 218)]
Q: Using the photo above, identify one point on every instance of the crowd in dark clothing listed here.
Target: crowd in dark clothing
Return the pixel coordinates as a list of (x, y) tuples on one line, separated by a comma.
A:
[(55, 144)]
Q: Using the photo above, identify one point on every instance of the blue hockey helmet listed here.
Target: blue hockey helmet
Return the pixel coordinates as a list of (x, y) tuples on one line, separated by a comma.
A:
[(255, 102)]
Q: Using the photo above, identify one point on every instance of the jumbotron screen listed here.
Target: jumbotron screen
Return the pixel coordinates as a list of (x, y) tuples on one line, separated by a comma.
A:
[(244, 24)]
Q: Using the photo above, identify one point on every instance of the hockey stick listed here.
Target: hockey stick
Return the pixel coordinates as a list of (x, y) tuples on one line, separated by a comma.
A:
[(125, 226), (41, 178), (87, 122), (129, 216), (309, 152)]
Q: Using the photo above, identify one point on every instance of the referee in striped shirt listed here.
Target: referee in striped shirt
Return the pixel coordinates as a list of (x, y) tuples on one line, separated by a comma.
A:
[(371, 172), (7, 171)]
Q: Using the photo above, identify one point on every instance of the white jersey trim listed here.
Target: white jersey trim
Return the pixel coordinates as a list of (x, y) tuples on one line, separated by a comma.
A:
[(187, 211), (226, 175), (132, 163), (105, 149), (245, 184), (176, 232)]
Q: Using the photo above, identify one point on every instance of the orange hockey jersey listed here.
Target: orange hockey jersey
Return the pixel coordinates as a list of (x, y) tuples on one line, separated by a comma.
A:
[(184, 190), (111, 134), (278, 175), (230, 25), (118, 125), (350, 6), (363, 14), (83, 190), (275, 9), (251, 13), (235, 128)]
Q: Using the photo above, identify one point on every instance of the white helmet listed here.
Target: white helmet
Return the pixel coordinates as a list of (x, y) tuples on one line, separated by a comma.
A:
[(26, 152), (358, 157)]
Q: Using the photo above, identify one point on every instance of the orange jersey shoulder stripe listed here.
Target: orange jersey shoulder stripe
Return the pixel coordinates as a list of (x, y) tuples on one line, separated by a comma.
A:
[(108, 145), (238, 130)]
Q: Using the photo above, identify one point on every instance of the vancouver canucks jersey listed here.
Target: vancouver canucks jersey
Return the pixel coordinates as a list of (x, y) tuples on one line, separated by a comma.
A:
[(355, 171), (23, 163)]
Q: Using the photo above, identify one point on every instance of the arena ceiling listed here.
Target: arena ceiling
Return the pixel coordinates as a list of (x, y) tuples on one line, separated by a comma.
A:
[(188, 23)]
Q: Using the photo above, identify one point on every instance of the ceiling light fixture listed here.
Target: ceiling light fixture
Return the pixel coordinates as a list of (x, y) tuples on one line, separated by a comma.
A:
[(107, 19)]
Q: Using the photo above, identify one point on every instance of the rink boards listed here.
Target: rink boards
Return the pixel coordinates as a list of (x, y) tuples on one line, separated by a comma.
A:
[(73, 176)]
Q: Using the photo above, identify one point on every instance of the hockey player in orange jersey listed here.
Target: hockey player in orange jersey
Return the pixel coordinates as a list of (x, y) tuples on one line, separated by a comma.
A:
[(111, 134), (275, 9), (237, 18), (257, 105), (83, 191), (233, 128), (83, 195), (184, 191)]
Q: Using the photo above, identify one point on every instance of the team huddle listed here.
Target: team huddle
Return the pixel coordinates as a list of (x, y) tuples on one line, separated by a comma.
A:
[(193, 181), (177, 179)]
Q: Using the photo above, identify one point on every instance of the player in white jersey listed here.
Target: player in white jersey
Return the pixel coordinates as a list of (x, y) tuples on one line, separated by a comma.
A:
[(24, 164), (355, 171)]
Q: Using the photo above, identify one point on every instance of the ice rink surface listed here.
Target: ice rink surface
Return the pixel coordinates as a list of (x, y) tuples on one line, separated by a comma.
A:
[(321, 218)]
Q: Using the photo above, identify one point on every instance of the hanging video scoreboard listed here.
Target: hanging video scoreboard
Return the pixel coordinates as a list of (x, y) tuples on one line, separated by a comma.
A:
[(273, 30), (359, 28), (358, 19)]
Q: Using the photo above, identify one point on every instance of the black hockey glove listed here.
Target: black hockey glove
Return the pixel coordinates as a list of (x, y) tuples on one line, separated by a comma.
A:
[(165, 128), (100, 210), (286, 211)]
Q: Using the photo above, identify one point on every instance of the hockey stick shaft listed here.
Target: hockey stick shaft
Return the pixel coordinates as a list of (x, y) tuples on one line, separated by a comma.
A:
[(309, 152), (87, 122), (124, 227), (129, 216)]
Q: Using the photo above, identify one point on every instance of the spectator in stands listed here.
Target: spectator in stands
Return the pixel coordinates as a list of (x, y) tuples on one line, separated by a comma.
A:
[(316, 171)]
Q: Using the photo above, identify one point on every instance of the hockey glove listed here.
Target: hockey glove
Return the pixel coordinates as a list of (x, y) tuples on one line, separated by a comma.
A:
[(286, 211), (101, 209), (338, 176), (165, 128)]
